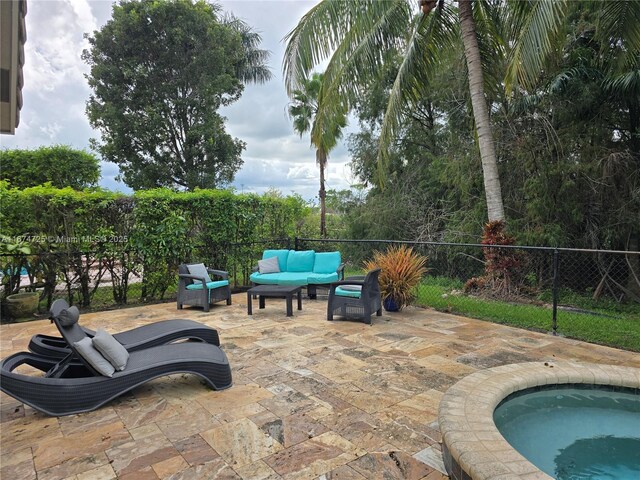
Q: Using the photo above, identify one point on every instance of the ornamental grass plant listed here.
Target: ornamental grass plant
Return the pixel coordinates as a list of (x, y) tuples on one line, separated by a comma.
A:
[(402, 270)]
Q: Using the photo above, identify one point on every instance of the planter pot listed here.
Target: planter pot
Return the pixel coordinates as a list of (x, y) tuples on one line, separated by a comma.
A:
[(22, 305), (390, 305)]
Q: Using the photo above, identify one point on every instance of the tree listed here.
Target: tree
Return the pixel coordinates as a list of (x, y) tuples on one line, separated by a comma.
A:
[(159, 73), (61, 165), (354, 36), (324, 136), (361, 33)]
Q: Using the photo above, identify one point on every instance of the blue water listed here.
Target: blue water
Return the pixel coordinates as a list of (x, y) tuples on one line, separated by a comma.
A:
[(574, 433)]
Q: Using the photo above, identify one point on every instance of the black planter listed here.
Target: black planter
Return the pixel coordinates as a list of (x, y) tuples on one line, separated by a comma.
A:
[(390, 305)]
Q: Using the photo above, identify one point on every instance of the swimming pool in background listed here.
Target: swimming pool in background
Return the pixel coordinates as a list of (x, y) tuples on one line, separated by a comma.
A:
[(574, 433)]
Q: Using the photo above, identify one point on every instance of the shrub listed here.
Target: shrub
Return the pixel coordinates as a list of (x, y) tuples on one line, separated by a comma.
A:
[(402, 270), (503, 267)]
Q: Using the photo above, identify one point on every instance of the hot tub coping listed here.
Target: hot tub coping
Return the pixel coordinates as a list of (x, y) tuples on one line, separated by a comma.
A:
[(472, 446)]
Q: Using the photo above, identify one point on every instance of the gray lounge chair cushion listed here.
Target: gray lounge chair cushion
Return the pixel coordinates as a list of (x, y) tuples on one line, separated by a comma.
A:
[(68, 316), (199, 270), (269, 265), (93, 357), (111, 349)]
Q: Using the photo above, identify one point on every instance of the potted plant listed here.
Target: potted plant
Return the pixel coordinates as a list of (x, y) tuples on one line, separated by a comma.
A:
[(402, 270)]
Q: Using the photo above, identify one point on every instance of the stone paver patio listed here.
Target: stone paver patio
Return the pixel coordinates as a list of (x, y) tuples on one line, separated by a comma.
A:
[(311, 398)]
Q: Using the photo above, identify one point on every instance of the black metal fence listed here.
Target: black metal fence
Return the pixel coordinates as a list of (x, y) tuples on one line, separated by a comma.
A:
[(559, 290), (549, 289)]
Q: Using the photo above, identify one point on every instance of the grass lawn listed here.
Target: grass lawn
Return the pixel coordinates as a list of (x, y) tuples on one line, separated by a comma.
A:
[(616, 327)]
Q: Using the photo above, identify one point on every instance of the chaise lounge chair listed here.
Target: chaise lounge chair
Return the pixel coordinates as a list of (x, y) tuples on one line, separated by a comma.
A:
[(146, 336), (72, 385)]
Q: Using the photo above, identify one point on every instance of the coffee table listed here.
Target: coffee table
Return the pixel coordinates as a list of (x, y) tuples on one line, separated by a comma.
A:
[(275, 291)]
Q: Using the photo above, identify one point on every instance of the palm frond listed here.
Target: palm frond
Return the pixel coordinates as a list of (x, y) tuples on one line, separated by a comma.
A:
[(325, 27), (493, 41), (313, 39), (535, 25), (625, 84), (619, 27), (253, 67), (431, 36)]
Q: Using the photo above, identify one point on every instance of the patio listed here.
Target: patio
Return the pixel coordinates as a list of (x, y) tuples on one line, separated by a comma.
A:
[(311, 398)]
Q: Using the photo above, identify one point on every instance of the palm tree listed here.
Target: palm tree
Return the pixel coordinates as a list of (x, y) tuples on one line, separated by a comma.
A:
[(354, 36), (306, 103), (253, 66)]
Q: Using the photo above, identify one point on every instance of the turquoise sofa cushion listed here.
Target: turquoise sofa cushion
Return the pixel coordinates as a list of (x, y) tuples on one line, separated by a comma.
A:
[(300, 261), (282, 255), (321, 278), (327, 262), (347, 293), (210, 285), (282, 278)]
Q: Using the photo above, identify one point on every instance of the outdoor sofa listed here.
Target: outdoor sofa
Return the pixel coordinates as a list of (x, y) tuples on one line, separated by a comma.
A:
[(305, 268)]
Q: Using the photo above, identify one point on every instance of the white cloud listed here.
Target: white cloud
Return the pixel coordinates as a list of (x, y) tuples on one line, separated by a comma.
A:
[(55, 93), (51, 130), (302, 172)]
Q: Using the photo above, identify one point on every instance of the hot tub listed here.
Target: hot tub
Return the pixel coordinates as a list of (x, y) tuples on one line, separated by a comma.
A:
[(474, 448), (575, 431)]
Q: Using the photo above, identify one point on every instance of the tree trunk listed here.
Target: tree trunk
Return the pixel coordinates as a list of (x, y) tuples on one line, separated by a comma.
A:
[(492, 188), (321, 158)]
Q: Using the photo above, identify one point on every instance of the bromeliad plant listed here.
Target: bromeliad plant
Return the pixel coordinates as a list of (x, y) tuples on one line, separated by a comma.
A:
[(402, 270)]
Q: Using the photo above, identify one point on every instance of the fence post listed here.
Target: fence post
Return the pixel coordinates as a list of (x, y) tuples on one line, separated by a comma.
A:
[(296, 243), (555, 293)]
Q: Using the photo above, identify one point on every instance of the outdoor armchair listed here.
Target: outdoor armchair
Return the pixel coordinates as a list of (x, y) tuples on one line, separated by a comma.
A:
[(199, 289), (356, 297)]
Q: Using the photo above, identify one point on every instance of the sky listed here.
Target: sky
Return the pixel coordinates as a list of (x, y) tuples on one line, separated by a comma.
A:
[(55, 92)]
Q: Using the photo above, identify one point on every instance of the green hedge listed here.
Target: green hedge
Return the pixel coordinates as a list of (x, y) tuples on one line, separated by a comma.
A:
[(148, 233)]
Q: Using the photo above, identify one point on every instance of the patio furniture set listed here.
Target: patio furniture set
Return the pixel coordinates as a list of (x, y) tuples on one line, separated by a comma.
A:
[(283, 274)]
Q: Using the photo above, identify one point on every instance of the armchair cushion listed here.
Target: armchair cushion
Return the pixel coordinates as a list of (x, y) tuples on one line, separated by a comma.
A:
[(300, 261), (210, 285), (199, 270), (282, 255), (345, 291), (269, 265), (326, 262)]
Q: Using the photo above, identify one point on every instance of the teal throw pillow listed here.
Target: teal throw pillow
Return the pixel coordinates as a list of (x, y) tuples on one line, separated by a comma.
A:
[(301, 261), (327, 262), (282, 255)]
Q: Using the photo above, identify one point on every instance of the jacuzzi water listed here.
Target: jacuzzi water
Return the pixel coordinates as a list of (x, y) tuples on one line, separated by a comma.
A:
[(575, 433)]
